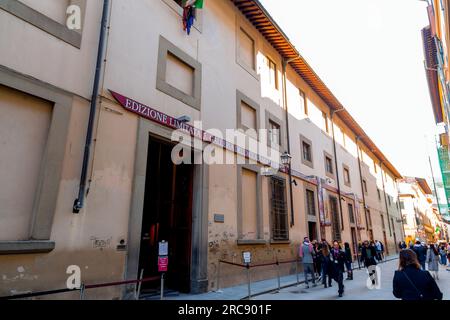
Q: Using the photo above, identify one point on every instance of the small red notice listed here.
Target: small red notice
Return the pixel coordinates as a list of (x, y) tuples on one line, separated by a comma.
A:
[(163, 263)]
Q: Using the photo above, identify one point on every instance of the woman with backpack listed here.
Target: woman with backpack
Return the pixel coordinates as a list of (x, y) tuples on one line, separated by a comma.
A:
[(412, 283)]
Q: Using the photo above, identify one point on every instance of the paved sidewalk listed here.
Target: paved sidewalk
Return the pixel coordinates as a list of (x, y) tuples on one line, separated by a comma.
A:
[(257, 288), (356, 289)]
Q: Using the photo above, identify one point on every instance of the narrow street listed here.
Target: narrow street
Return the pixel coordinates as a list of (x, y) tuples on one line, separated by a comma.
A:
[(356, 289)]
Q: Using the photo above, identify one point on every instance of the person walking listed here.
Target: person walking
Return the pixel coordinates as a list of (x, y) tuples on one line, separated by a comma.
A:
[(306, 253), (412, 283), (368, 254), (337, 259), (348, 261), (326, 266), (378, 249), (433, 261), (317, 259), (443, 254), (421, 253)]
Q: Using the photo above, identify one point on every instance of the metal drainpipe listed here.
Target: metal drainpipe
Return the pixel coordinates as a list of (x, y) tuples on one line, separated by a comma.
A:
[(385, 201), (361, 181), (79, 202), (291, 197), (336, 165)]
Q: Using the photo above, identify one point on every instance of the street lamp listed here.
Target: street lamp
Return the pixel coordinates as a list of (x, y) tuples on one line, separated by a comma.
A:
[(286, 159)]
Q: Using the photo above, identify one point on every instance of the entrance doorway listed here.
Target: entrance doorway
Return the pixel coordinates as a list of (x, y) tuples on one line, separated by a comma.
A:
[(335, 219), (167, 215), (312, 231)]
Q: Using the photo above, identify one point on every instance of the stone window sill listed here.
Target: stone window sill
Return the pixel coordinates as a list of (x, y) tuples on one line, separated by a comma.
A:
[(251, 242), (24, 247)]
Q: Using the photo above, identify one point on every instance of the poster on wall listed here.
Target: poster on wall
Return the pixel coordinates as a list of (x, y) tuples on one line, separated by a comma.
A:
[(321, 202)]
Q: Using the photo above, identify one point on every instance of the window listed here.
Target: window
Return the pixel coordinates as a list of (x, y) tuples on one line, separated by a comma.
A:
[(329, 164), (307, 151), (249, 205), (303, 101), (24, 128), (279, 215), (31, 119), (274, 133), (344, 143), (365, 186), (369, 219), (49, 16), (246, 50), (178, 74), (310, 203), (382, 222), (375, 166), (248, 115), (272, 77), (325, 121), (347, 176), (389, 200), (379, 194), (402, 205), (350, 213)]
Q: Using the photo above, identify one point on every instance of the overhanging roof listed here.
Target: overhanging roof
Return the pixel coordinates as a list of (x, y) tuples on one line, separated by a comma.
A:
[(264, 23)]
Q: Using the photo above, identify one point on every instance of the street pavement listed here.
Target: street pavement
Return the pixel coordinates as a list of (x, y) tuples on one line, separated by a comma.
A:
[(354, 289)]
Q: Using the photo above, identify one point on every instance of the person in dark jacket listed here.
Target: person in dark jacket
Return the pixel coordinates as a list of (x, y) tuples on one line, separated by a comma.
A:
[(326, 266), (337, 257), (412, 283), (348, 261), (421, 252), (368, 255)]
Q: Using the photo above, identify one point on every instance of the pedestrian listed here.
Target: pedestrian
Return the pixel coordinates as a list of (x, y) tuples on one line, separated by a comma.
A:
[(348, 261), (412, 283), (443, 254), (306, 253), (433, 261), (421, 253), (378, 249), (337, 257), (403, 245), (368, 254), (326, 266), (400, 245), (382, 250), (411, 244), (317, 259)]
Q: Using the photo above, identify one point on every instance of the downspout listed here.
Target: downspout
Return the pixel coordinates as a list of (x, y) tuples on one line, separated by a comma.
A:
[(336, 165), (361, 181), (79, 202), (291, 197), (385, 201)]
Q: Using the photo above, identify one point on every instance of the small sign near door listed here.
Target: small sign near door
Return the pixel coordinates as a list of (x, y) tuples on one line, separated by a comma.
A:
[(163, 248), (163, 263), (247, 256)]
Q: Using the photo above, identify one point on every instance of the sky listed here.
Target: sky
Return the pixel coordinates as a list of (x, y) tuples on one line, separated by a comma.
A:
[(370, 54)]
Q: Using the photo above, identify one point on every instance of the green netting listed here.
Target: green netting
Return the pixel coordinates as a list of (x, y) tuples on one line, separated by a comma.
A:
[(444, 162)]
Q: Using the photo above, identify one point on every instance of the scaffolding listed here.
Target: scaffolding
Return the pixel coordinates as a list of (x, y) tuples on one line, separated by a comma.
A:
[(444, 162)]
